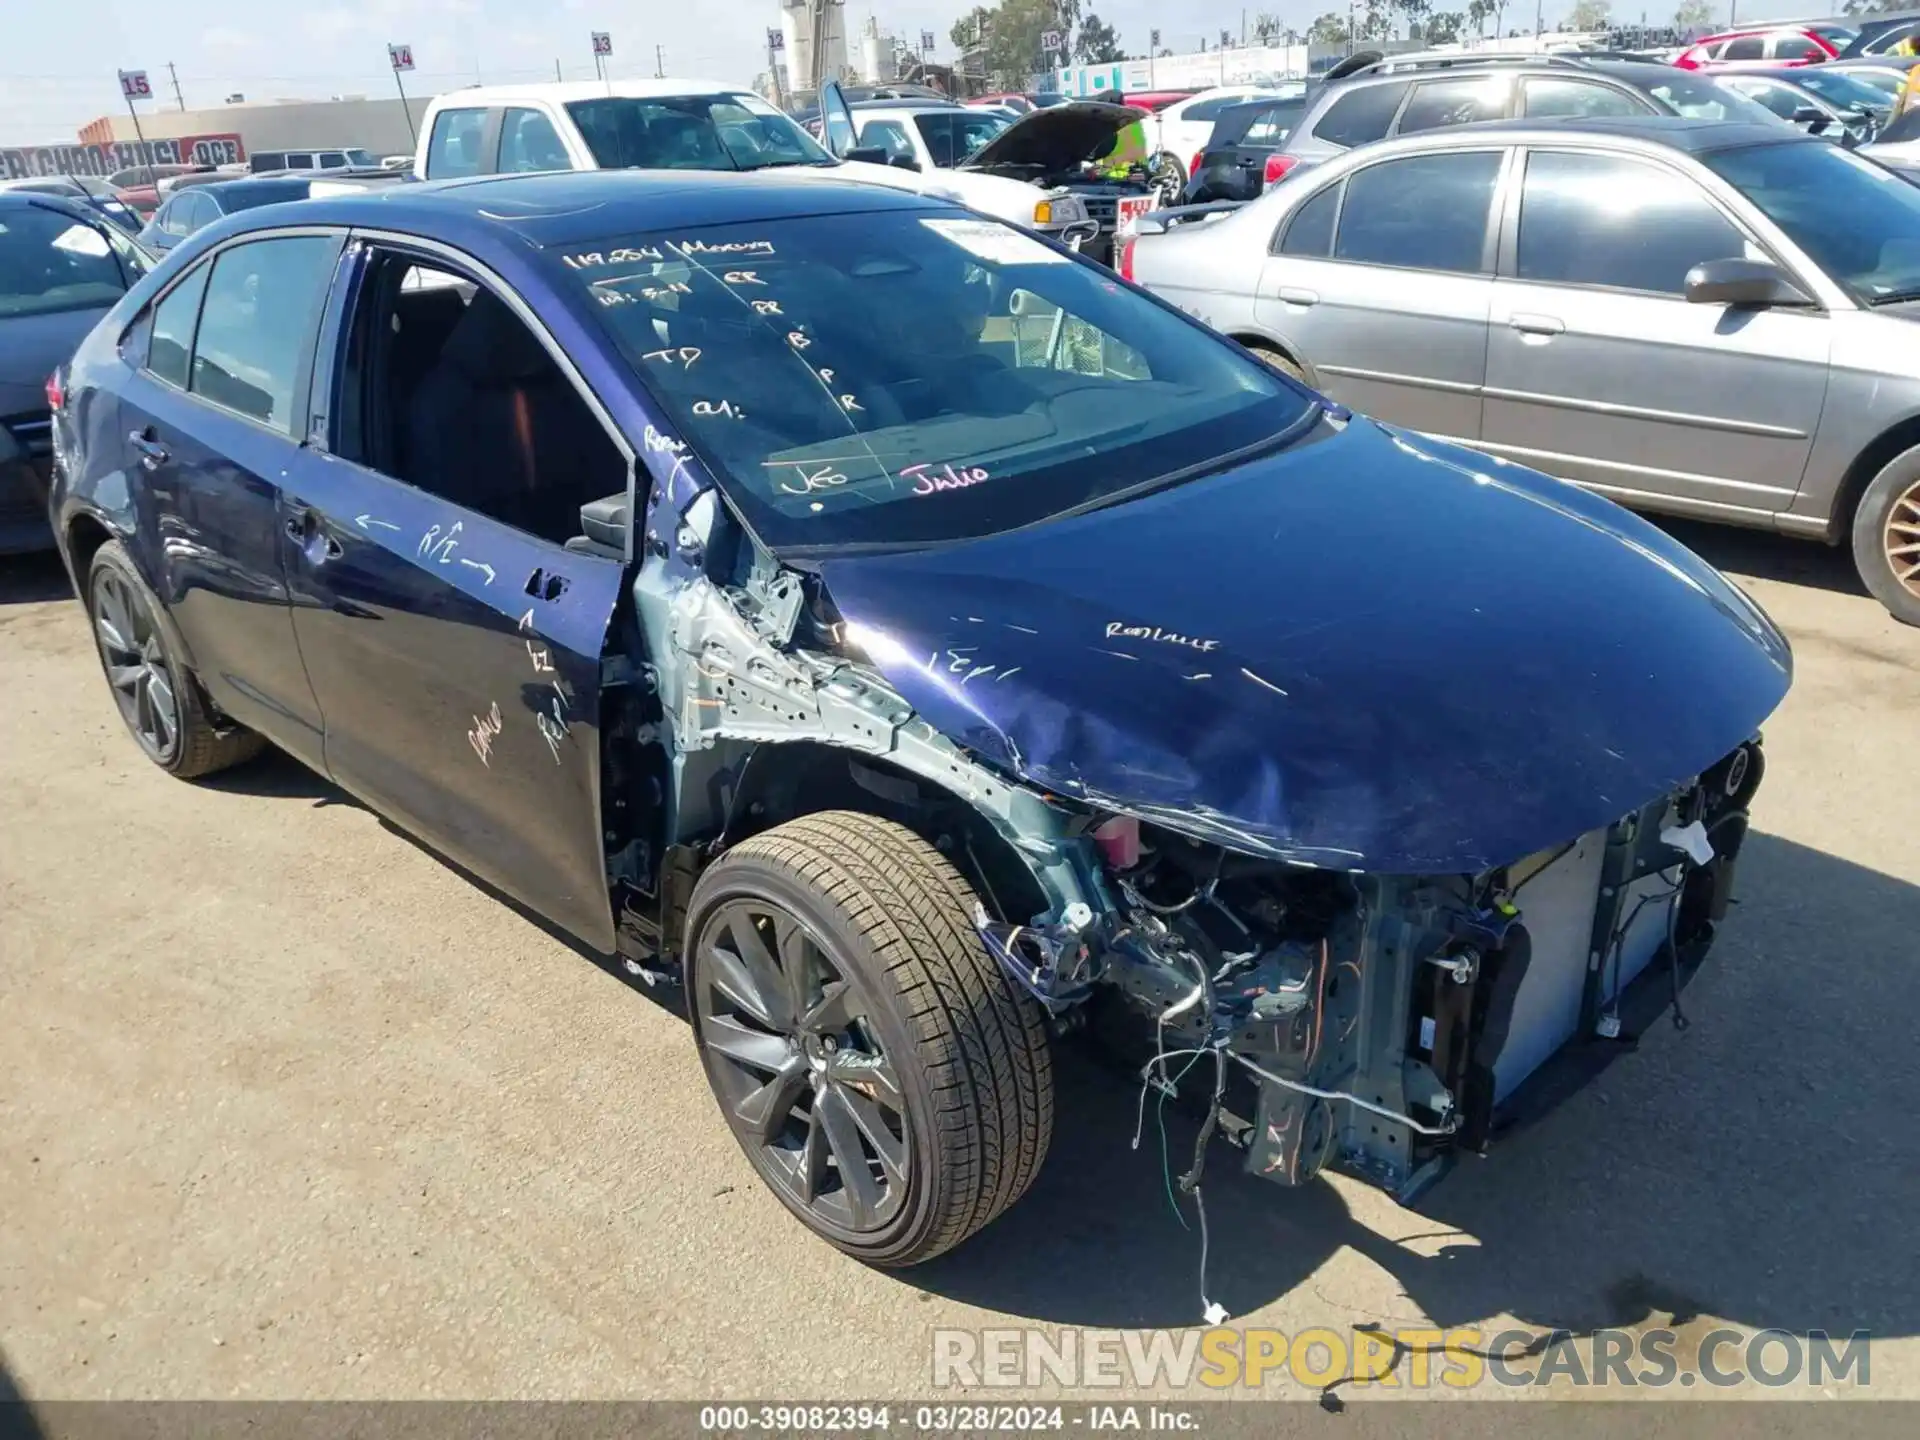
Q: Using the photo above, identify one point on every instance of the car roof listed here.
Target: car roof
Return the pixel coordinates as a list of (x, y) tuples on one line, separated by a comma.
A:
[(565, 207), (562, 92), (908, 102), (255, 185), (1674, 132)]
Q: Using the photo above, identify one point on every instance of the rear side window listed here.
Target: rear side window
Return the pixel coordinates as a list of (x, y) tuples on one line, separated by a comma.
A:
[(528, 142), (1547, 96), (1360, 116), (173, 320), (1274, 125), (1310, 231), (454, 147), (1621, 223), (257, 325), (1426, 212), (1439, 103), (1747, 47)]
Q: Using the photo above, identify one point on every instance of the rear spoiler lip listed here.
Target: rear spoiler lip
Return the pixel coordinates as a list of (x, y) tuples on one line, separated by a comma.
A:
[(1158, 222)]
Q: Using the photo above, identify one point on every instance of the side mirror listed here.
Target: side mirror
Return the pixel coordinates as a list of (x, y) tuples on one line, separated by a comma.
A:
[(1744, 284), (904, 162), (866, 155), (1808, 115)]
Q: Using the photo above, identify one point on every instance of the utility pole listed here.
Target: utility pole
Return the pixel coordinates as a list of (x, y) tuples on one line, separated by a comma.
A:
[(556, 69), (1349, 27), (174, 75), (659, 62), (1539, 22)]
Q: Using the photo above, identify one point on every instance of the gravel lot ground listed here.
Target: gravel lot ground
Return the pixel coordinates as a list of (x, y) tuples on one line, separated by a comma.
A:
[(290, 1109)]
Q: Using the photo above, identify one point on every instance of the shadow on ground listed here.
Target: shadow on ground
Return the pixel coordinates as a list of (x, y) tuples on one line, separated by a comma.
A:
[(1767, 556), (1758, 1168), (278, 775), (29, 579)]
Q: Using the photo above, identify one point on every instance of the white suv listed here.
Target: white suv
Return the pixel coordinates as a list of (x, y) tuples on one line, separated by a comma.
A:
[(691, 125)]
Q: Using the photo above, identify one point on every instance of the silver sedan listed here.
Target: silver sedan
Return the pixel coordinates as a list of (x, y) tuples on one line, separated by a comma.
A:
[(1702, 318)]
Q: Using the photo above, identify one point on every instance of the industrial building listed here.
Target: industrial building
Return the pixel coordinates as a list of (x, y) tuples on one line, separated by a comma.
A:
[(381, 126)]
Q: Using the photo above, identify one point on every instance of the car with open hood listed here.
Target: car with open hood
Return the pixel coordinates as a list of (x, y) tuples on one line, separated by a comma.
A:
[(682, 125), (911, 644)]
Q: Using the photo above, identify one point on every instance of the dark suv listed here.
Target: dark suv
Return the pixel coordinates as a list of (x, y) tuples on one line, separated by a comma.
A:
[(1408, 93)]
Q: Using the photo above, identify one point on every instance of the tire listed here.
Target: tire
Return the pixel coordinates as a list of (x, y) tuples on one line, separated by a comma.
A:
[(1886, 537), (172, 724), (940, 1029), (1271, 357)]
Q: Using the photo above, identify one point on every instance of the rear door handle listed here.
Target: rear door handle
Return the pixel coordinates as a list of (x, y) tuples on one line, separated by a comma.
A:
[(1536, 324), (1294, 295), (152, 453)]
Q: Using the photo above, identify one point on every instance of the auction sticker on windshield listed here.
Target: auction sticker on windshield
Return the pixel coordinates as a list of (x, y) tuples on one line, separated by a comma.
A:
[(1130, 208), (995, 243)]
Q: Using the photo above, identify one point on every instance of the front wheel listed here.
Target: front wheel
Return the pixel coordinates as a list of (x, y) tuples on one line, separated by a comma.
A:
[(885, 1079), (1168, 177), (1886, 536)]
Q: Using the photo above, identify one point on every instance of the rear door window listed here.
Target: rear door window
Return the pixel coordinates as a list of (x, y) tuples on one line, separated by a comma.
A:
[(528, 142), (255, 341), (1439, 103), (1309, 233), (453, 149), (173, 320), (1360, 116), (1547, 96), (1426, 212), (1617, 222)]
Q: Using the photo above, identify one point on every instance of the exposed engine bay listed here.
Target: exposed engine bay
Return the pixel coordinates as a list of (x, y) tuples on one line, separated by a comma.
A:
[(1387, 1024), (1319, 1017)]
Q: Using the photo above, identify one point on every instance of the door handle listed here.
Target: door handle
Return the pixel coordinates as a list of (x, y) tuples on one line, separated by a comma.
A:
[(1294, 295), (151, 452), (303, 528), (1536, 324)]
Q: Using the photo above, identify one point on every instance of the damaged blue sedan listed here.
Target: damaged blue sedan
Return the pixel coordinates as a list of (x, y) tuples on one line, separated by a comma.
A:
[(920, 644)]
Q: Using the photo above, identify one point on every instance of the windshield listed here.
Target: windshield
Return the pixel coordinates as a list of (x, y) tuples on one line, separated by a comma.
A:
[(902, 378), (1840, 89), (51, 262), (1700, 99), (1858, 221), (692, 132)]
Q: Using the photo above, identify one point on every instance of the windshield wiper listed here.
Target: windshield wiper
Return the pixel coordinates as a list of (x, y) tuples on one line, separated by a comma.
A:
[(1895, 297), (782, 164)]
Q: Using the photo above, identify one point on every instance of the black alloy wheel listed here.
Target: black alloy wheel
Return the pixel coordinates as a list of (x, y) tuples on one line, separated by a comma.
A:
[(884, 1076), (806, 1085), (158, 696), (144, 687)]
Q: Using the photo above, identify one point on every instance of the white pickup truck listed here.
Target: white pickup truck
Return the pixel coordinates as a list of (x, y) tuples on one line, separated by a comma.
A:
[(695, 125)]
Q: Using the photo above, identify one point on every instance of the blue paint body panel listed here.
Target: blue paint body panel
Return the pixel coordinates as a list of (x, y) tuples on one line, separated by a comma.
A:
[(1370, 651)]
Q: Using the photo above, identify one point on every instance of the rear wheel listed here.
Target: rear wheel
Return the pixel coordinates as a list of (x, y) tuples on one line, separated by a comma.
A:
[(1168, 177), (1886, 536), (885, 1079), (1267, 355), (157, 696)]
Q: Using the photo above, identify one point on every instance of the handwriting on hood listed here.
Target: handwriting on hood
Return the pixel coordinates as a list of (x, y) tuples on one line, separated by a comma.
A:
[(1118, 630)]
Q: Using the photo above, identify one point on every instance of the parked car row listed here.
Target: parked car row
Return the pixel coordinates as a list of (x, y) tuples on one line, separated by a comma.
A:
[(1700, 317)]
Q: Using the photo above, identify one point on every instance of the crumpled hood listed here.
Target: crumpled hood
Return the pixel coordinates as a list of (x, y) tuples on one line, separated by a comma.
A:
[(1371, 651), (1057, 137)]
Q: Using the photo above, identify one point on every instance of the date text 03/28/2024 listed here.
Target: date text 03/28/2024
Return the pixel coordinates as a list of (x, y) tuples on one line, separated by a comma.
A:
[(940, 1419)]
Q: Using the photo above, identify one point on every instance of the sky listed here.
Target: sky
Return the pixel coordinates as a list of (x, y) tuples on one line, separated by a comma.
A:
[(58, 66)]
